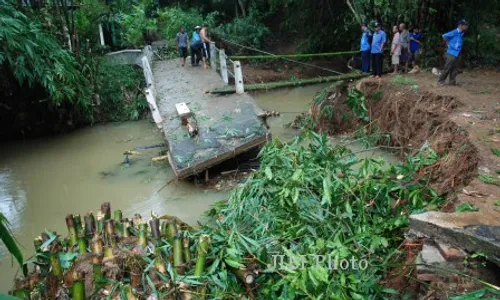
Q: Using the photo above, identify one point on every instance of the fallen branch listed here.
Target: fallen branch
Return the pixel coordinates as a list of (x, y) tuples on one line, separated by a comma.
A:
[(282, 84)]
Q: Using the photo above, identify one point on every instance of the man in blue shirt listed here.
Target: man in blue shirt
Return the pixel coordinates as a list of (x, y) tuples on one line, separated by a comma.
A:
[(454, 40), (377, 50), (365, 48), (196, 47), (415, 41)]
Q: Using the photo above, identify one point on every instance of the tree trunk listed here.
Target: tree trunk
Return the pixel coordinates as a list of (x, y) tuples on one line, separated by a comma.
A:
[(242, 7)]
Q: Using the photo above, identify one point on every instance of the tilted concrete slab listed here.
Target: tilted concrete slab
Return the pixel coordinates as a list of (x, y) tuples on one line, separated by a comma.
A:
[(471, 231), (227, 125)]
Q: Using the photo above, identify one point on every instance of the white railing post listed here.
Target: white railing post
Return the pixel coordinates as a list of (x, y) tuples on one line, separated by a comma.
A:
[(101, 34), (238, 78), (213, 57), (223, 65)]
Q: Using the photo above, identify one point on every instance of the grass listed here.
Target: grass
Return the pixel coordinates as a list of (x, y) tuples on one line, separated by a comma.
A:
[(404, 80)]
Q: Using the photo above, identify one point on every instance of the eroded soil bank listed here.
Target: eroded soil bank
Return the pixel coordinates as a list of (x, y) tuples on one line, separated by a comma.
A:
[(459, 123)]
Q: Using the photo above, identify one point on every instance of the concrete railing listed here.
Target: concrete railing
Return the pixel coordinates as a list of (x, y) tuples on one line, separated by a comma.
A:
[(219, 64), (150, 91)]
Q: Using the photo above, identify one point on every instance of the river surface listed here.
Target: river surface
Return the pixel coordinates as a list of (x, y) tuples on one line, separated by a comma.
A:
[(43, 180)]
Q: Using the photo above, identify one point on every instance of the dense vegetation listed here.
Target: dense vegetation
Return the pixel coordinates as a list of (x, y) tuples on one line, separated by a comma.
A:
[(50, 50)]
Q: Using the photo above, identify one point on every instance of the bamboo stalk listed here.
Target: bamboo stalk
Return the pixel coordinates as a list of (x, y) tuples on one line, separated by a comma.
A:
[(110, 232), (108, 253), (283, 84), (117, 215), (143, 239), (126, 228), (100, 222), (171, 232), (130, 294), (78, 288), (201, 255), (82, 246), (97, 256), (55, 264), (154, 224), (185, 247), (73, 237), (309, 55), (89, 224), (243, 275), (37, 243), (78, 224), (178, 261), (106, 210)]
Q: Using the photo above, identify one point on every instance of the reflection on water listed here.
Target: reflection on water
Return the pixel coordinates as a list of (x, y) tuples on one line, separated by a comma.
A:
[(294, 101), (43, 180)]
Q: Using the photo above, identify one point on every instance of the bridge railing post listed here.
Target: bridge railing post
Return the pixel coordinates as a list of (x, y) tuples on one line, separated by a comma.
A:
[(238, 78), (223, 65), (213, 57)]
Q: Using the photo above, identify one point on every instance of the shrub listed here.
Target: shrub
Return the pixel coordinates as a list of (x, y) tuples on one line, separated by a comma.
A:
[(120, 96), (249, 30)]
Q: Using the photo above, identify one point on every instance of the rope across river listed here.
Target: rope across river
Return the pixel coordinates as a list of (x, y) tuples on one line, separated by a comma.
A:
[(286, 59)]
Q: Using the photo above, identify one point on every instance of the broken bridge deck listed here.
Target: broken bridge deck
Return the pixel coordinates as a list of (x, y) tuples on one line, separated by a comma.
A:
[(227, 125)]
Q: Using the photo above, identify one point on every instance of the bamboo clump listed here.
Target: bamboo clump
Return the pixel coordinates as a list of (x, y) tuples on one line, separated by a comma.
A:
[(112, 256)]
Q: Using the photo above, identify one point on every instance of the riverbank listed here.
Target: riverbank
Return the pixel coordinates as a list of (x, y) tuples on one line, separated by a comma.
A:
[(461, 123), (44, 179)]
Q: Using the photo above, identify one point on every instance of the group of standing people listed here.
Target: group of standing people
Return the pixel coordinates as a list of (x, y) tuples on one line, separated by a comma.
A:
[(199, 46), (405, 49)]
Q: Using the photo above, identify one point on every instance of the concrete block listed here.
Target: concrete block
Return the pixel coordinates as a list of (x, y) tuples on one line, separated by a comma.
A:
[(182, 110), (431, 255), (451, 253), (473, 232)]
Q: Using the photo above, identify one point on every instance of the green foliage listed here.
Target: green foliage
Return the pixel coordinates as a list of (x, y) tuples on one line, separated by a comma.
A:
[(11, 244), (171, 19), (488, 179), (120, 93), (486, 293), (311, 198), (495, 151), (136, 24), (403, 80), (464, 207), (249, 30), (357, 102), (35, 57)]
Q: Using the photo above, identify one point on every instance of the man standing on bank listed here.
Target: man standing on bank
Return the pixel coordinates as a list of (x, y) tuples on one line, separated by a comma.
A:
[(454, 40), (182, 41), (206, 44), (365, 48), (378, 42)]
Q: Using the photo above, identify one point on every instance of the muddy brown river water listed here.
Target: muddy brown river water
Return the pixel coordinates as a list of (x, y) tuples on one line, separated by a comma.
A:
[(43, 180)]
